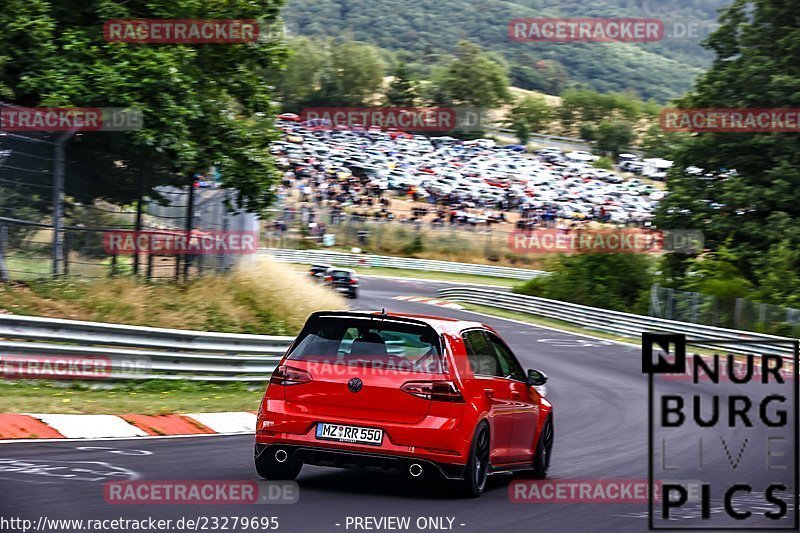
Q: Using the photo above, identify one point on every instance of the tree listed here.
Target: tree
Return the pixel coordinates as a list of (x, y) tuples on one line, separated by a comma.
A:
[(778, 275), (756, 209), (529, 114), (402, 91), (330, 73), (659, 143), (588, 131), (472, 78), (613, 137), (610, 281), (299, 83), (353, 76), (202, 104)]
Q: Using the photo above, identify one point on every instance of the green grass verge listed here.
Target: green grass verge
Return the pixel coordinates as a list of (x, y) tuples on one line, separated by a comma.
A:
[(147, 398)]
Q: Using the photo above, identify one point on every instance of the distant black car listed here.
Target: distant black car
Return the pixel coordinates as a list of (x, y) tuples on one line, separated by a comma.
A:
[(318, 272), (343, 280)]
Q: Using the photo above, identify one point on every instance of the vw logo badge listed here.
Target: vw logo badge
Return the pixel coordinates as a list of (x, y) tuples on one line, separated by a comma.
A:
[(355, 384)]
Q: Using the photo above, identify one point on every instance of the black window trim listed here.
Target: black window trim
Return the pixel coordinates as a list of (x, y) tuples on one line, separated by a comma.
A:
[(489, 336), (501, 342)]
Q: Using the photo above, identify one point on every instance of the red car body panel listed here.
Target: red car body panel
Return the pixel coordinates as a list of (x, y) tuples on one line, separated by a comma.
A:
[(417, 428)]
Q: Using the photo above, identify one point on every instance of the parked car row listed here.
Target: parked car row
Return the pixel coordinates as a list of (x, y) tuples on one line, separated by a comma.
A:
[(477, 173)]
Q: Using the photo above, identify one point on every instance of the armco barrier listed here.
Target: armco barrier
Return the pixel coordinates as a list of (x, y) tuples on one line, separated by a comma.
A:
[(137, 352), (363, 260), (622, 324)]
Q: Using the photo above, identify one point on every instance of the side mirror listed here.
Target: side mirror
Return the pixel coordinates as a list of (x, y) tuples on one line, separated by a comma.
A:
[(536, 378)]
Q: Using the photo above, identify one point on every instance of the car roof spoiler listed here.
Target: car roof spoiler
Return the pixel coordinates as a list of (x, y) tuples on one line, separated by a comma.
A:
[(371, 315)]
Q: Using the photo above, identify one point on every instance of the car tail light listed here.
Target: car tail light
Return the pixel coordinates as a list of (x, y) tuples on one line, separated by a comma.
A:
[(353, 281), (328, 278), (437, 391), (287, 375)]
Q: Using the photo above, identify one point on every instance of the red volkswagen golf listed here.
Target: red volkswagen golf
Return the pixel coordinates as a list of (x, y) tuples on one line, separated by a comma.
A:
[(426, 396)]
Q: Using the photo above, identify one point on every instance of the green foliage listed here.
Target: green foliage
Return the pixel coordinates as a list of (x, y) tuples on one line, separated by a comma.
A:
[(403, 90), (611, 281), (586, 105), (716, 274), (778, 275), (301, 76), (201, 103), (614, 137), (659, 143), (416, 246), (353, 75), (529, 114), (604, 162), (756, 66), (588, 131), (421, 31), (330, 73), (472, 78), (532, 287)]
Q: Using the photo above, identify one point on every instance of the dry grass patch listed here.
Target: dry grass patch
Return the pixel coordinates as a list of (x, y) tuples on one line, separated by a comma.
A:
[(262, 297)]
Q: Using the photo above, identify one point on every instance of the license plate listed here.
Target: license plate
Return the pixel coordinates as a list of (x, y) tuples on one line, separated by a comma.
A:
[(353, 434), (342, 289)]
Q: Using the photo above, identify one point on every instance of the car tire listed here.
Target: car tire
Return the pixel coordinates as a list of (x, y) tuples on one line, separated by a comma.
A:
[(544, 450), (353, 295), (476, 471), (269, 468)]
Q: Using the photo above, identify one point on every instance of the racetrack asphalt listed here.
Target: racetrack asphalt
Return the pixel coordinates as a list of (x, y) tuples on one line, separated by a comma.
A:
[(600, 404)]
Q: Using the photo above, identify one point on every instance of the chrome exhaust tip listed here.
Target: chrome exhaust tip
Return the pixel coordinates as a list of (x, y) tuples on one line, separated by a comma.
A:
[(415, 470), (281, 456)]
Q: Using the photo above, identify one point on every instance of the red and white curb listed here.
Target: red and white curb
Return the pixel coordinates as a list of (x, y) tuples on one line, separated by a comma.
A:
[(429, 301), (58, 426)]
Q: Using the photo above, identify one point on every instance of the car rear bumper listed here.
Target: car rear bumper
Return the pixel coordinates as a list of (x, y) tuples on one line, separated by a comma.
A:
[(437, 437), (338, 458)]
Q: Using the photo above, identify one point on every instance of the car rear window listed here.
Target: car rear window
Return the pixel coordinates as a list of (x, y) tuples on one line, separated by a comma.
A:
[(340, 274), (374, 343)]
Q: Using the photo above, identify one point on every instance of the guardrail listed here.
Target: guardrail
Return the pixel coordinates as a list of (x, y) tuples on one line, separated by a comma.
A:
[(623, 324), (569, 143), (364, 260), (135, 352)]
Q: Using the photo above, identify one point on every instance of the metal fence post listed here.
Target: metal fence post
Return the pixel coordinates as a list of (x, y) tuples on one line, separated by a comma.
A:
[(149, 266), (139, 212), (58, 198), (3, 240), (670, 295), (67, 248), (187, 259)]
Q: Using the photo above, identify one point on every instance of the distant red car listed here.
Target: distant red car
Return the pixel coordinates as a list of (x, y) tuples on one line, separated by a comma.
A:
[(430, 397), (289, 116)]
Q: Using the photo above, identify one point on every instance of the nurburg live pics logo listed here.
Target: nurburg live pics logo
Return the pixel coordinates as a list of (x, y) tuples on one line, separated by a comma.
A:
[(732, 434)]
